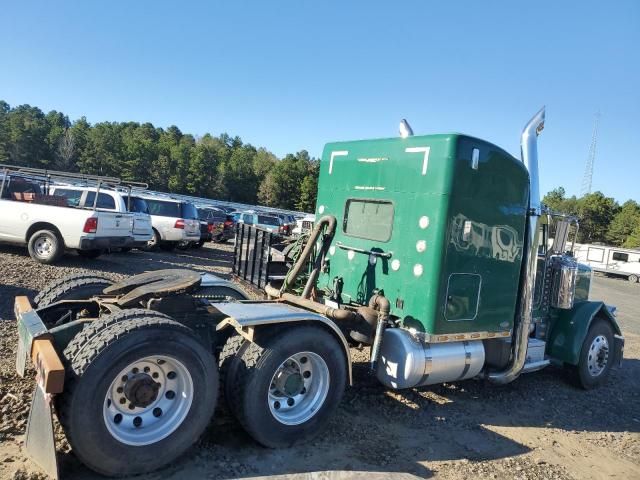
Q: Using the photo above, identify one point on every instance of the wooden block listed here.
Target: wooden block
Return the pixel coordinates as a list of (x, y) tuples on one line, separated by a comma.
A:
[(49, 368)]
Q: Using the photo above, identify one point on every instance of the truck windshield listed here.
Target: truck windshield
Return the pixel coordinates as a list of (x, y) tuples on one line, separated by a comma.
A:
[(262, 220), (164, 209), (189, 211), (105, 201), (368, 219), (138, 205)]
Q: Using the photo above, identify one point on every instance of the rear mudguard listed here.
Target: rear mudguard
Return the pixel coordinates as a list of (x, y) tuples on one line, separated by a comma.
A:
[(570, 327)]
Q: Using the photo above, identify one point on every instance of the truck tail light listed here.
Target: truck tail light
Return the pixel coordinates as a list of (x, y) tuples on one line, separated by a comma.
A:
[(228, 223), (179, 224), (210, 227), (91, 225)]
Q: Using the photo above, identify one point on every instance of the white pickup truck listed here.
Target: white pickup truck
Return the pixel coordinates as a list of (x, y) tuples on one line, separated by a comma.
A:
[(114, 201), (47, 225)]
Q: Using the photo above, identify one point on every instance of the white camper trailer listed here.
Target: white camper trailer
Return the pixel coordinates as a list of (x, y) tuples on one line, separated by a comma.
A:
[(621, 262)]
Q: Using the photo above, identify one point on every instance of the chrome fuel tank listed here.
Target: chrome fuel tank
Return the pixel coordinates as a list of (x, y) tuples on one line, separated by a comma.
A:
[(406, 361)]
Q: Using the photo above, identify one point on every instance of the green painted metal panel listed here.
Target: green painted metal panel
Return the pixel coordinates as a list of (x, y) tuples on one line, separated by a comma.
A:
[(569, 329), (449, 221)]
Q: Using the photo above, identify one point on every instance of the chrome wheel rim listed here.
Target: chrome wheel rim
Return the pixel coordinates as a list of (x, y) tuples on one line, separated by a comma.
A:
[(598, 355), (298, 388), (148, 400), (43, 246)]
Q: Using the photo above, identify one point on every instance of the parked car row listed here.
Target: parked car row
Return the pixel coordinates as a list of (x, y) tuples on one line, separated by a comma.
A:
[(51, 212), (272, 222)]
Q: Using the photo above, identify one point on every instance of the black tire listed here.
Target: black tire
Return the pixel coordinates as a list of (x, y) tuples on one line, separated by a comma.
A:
[(97, 356), (69, 278), (228, 362), (581, 374), (248, 383), (168, 246), (182, 245), (153, 244), (78, 288), (220, 294), (49, 239), (90, 253)]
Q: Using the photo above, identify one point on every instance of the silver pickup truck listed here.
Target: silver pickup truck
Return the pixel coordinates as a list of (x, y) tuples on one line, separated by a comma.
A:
[(48, 225)]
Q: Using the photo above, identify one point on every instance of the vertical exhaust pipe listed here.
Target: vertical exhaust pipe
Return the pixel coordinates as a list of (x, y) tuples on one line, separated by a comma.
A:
[(529, 152)]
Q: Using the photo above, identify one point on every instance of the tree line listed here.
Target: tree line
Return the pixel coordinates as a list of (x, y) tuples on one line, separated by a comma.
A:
[(217, 167), (602, 218)]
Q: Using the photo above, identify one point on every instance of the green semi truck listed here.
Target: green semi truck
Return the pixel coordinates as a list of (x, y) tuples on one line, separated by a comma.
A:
[(434, 251)]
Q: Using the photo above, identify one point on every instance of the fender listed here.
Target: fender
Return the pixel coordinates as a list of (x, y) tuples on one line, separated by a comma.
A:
[(570, 328), (245, 317)]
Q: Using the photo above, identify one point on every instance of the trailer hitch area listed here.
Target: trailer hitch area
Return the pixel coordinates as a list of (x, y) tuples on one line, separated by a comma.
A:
[(35, 341)]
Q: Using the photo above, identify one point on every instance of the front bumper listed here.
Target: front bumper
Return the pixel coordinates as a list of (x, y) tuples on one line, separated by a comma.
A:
[(103, 243), (35, 342)]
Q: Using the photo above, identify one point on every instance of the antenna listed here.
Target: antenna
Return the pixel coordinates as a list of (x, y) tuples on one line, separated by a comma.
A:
[(588, 171)]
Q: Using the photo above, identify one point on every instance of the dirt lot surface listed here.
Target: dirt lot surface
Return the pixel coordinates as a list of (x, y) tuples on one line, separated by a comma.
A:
[(538, 427)]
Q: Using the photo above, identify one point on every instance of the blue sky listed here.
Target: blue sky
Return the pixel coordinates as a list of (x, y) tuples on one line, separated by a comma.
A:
[(292, 75)]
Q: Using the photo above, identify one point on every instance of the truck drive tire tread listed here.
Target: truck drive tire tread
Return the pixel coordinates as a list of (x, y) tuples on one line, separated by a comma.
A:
[(247, 387), (69, 278), (75, 289), (92, 366)]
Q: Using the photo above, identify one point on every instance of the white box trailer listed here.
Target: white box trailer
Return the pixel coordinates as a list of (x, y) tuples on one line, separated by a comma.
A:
[(621, 262)]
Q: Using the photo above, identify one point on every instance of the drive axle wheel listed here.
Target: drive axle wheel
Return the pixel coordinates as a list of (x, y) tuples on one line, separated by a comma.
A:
[(284, 388), (141, 389)]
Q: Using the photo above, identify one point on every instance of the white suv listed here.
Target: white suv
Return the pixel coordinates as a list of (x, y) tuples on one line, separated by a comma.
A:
[(114, 201), (173, 221)]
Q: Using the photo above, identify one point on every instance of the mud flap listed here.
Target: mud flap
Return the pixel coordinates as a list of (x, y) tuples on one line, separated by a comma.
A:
[(40, 440)]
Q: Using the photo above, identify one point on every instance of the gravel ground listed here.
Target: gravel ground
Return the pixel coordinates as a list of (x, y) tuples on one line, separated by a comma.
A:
[(538, 427)]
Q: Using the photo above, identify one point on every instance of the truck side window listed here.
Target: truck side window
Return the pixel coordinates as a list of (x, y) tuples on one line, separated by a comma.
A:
[(619, 256), (72, 196), (368, 219)]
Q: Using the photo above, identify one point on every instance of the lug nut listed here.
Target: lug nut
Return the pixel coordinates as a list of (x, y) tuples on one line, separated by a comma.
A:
[(135, 370), (147, 369), (123, 401), (125, 378), (303, 360), (132, 406), (155, 375), (120, 390)]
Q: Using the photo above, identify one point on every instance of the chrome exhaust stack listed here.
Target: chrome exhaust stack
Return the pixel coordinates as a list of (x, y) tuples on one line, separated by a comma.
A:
[(529, 152)]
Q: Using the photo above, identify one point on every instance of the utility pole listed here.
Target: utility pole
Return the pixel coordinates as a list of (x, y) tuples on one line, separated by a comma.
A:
[(588, 171)]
